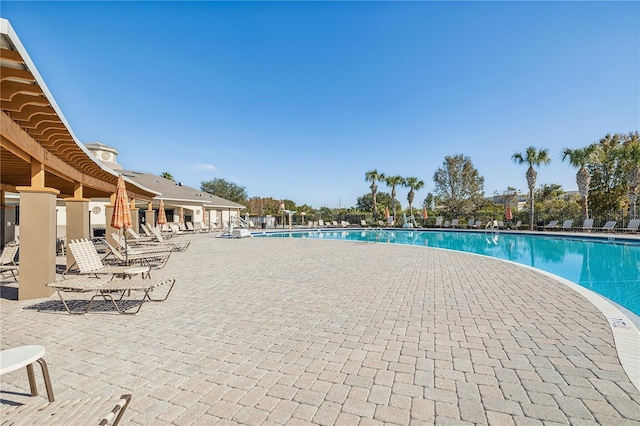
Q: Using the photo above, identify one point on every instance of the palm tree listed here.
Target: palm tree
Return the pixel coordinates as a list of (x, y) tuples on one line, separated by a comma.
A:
[(167, 175), (373, 176), (629, 154), (414, 184), (392, 182), (532, 157), (579, 158)]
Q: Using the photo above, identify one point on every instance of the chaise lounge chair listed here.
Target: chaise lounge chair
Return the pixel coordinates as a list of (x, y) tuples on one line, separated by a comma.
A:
[(88, 262), (7, 259), (567, 225), (86, 411), (632, 226), (173, 245), (107, 289), (587, 225), (154, 259), (608, 227), (551, 225), (439, 220)]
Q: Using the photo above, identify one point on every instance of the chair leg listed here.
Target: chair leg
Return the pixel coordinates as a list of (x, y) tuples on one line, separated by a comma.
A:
[(47, 380), (32, 380)]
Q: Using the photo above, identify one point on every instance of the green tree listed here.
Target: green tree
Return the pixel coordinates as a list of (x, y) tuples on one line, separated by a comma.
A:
[(227, 190), (167, 175), (532, 157), (365, 202), (392, 182), (629, 154), (458, 184), (608, 186), (579, 158), (414, 184), (429, 201), (373, 176)]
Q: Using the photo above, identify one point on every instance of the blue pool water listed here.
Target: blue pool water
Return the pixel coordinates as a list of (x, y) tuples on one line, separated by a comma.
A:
[(609, 268)]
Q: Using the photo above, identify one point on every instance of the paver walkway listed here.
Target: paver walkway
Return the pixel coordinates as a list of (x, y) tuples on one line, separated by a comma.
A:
[(292, 331)]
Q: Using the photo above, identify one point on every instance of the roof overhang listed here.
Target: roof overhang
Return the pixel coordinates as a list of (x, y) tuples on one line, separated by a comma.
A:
[(32, 127)]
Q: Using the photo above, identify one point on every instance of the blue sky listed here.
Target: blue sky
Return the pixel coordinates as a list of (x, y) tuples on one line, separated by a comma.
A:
[(299, 100)]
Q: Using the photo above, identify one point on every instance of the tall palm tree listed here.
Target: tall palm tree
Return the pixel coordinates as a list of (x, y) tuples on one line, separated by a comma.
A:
[(167, 175), (532, 157), (414, 184), (579, 158), (392, 182), (373, 176), (629, 154)]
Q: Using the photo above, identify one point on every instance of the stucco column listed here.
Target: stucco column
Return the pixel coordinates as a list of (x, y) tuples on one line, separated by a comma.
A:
[(37, 241), (150, 217), (135, 220), (77, 222)]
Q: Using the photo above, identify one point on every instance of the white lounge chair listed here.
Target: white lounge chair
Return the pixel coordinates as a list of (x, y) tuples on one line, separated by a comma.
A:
[(608, 227), (7, 259), (587, 225), (88, 261), (551, 225), (87, 411), (439, 220), (454, 223), (632, 226), (567, 225)]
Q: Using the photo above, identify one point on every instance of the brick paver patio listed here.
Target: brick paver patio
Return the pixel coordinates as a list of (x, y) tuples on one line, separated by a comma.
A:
[(291, 331)]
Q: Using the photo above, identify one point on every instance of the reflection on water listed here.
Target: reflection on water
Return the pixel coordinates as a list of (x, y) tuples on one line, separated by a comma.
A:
[(612, 270)]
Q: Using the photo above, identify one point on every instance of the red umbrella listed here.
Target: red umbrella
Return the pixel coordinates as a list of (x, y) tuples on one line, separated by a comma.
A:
[(121, 214), (386, 213), (425, 215), (162, 215), (507, 214)]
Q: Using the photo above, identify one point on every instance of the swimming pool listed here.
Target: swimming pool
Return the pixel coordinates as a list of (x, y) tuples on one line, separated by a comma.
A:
[(608, 267)]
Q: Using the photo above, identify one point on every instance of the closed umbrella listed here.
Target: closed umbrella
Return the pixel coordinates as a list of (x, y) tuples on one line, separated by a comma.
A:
[(162, 215), (507, 214), (121, 214), (386, 213), (425, 216), (181, 214)]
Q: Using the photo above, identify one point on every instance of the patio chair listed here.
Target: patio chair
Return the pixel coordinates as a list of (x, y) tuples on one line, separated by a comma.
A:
[(632, 226), (175, 245), (145, 229), (471, 223), (454, 223), (149, 246), (587, 225), (106, 290), (608, 227), (501, 224), (154, 259), (88, 261), (439, 220), (363, 223), (137, 237), (478, 224), (87, 411), (447, 224), (8, 260), (518, 224), (567, 225), (551, 225)]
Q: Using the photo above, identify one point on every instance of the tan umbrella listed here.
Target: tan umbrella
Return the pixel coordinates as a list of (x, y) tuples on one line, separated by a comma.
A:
[(425, 216), (162, 215), (181, 214), (121, 214), (507, 214)]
